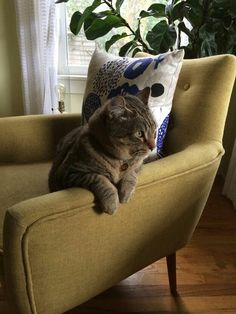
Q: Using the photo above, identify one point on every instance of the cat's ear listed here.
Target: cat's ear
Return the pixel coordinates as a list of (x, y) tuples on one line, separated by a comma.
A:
[(143, 95), (116, 107)]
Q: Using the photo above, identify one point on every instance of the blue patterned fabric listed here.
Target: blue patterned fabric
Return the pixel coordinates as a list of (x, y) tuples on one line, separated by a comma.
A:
[(107, 81), (161, 135), (92, 104)]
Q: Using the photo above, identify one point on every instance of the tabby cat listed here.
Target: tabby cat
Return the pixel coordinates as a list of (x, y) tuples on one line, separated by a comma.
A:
[(105, 155)]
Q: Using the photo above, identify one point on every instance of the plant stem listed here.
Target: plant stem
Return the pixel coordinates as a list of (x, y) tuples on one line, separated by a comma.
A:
[(126, 24), (179, 38)]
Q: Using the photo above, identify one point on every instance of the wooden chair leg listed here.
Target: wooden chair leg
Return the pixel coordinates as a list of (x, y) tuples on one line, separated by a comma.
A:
[(171, 267)]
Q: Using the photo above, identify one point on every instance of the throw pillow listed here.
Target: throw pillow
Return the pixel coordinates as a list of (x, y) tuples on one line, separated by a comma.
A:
[(110, 75)]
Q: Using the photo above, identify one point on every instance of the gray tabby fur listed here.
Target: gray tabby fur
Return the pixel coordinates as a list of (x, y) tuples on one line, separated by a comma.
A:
[(106, 155)]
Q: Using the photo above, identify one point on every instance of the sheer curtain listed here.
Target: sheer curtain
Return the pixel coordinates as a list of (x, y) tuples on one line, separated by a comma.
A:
[(36, 26)]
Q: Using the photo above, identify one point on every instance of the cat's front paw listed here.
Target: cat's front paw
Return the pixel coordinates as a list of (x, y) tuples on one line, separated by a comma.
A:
[(110, 206), (125, 196)]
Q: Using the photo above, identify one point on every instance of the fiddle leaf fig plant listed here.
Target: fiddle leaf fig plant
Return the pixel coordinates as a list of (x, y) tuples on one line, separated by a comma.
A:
[(209, 25)]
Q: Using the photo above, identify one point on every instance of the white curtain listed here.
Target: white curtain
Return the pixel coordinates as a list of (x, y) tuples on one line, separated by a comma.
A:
[(36, 25), (230, 181)]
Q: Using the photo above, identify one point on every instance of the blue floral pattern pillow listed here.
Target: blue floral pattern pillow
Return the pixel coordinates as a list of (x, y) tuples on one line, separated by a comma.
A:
[(110, 75)]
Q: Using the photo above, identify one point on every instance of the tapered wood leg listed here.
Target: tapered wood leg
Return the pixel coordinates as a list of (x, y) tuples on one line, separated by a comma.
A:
[(171, 266)]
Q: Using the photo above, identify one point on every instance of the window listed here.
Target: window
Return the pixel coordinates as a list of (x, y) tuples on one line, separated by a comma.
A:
[(75, 51)]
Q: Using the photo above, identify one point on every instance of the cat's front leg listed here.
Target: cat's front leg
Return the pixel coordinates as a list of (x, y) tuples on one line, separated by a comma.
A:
[(104, 190), (126, 187)]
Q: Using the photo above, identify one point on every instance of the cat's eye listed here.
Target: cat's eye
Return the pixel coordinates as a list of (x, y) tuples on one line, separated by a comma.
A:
[(139, 134)]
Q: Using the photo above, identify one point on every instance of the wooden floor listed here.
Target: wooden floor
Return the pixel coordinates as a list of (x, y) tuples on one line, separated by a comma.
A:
[(206, 273)]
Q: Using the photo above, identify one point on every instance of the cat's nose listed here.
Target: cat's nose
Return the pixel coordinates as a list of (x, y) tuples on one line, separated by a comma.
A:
[(151, 145)]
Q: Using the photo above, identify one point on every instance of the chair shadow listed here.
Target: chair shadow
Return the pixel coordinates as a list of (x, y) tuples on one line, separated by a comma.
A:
[(102, 303), (179, 304)]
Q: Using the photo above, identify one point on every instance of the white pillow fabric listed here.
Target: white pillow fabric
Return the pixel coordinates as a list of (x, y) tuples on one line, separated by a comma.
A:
[(110, 75)]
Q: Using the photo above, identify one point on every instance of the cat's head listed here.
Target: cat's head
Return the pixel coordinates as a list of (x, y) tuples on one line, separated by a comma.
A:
[(129, 124)]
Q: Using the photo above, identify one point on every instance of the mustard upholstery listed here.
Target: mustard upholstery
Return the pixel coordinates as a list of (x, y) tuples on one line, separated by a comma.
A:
[(58, 250)]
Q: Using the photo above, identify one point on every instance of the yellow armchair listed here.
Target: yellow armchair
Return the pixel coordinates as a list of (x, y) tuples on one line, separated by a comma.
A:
[(56, 250)]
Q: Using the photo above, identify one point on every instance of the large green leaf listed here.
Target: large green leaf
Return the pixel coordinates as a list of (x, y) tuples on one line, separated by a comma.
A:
[(114, 39), (144, 13), (118, 5), (226, 4), (135, 51), (103, 13), (78, 18), (156, 10), (75, 22), (60, 1), (208, 48), (100, 27), (127, 47), (208, 45), (114, 20), (194, 12), (214, 24), (97, 29), (176, 2), (178, 11), (161, 37), (157, 7), (230, 46), (226, 40), (89, 20)]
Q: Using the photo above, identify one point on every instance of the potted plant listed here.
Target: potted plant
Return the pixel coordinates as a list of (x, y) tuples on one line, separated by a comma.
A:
[(210, 26)]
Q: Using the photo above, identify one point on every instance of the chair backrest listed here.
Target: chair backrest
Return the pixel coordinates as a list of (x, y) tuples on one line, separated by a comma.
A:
[(27, 139), (201, 101)]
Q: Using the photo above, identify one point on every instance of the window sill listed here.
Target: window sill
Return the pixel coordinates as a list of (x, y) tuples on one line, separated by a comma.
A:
[(72, 77), (74, 84), (75, 87)]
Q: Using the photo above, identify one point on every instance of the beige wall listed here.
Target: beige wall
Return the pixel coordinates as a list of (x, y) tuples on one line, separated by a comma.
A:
[(10, 80)]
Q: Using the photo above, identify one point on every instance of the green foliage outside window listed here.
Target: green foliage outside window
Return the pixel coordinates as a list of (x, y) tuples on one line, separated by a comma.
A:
[(210, 26)]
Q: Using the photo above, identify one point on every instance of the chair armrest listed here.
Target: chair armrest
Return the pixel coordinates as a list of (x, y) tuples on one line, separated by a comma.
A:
[(57, 244), (190, 159)]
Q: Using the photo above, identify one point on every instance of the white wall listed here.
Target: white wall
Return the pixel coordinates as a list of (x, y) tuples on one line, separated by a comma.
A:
[(75, 87), (11, 102)]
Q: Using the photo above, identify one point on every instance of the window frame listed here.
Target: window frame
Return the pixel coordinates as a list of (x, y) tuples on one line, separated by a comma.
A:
[(64, 69)]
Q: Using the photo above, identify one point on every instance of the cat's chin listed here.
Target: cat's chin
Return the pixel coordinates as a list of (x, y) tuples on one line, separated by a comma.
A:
[(126, 156), (142, 154), (124, 153)]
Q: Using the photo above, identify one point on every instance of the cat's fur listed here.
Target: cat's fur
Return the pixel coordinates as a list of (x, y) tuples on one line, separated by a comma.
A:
[(105, 155)]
